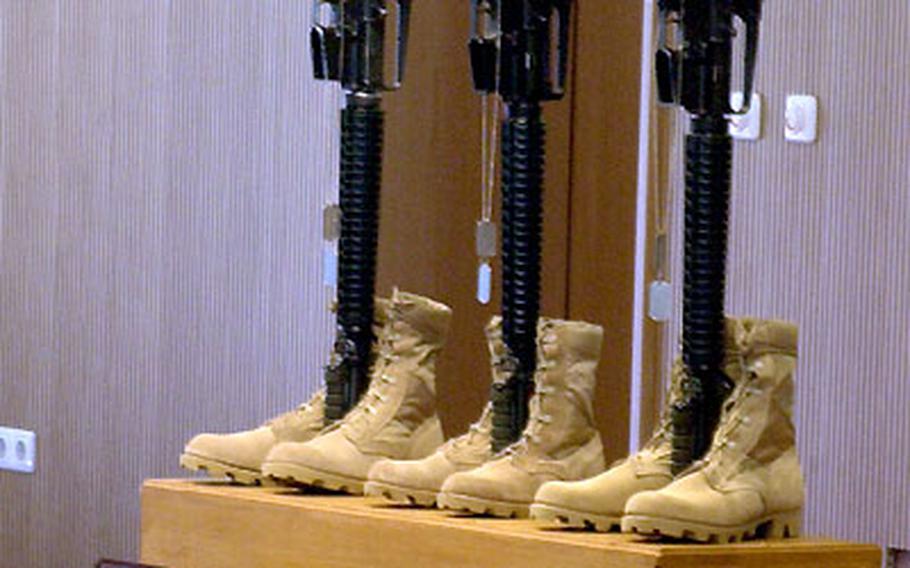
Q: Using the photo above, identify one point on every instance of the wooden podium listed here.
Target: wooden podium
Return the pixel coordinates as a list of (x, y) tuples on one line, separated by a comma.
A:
[(201, 524)]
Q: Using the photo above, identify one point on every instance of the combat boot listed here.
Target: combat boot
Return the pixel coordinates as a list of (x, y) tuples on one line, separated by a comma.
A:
[(239, 456), (560, 441), (418, 482), (749, 483), (396, 418), (598, 503)]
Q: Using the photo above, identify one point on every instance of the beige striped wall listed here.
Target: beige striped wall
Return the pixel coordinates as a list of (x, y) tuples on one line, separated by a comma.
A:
[(163, 165), (821, 236)]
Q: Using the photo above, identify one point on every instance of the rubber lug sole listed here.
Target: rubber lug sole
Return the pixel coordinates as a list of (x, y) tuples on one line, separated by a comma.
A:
[(219, 469), (777, 526), (293, 473), (399, 494), (483, 507), (575, 519)]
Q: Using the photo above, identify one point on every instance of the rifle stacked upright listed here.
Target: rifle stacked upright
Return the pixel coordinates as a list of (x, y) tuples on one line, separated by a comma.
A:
[(695, 72), (520, 51), (348, 46)]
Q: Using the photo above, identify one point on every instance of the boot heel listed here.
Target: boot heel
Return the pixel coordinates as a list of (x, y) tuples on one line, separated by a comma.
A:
[(785, 525)]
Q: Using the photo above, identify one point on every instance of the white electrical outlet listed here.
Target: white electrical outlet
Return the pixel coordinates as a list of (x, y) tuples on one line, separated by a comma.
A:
[(801, 119), (17, 450)]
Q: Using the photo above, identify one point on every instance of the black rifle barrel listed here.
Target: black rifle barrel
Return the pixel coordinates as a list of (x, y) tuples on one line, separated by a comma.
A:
[(520, 51), (348, 46), (697, 76), (523, 155), (707, 205), (361, 175)]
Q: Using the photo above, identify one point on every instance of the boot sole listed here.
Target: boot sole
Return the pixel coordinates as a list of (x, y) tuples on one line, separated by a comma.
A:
[(483, 507), (219, 469), (575, 519), (400, 494), (777, 526), (286, 472)]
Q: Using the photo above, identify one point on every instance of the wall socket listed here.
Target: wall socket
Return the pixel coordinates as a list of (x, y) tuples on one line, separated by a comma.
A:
[(17, 450)]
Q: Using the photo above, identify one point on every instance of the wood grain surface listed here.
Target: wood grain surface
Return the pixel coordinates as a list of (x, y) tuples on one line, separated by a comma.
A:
[(200, 525)]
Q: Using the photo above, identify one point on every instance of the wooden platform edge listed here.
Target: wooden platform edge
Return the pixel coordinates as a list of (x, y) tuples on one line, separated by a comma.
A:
[(200, 524)]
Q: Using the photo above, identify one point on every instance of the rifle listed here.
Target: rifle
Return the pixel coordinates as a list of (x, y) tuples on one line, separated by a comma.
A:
[(519, 50), (696, 74), (348, 43)]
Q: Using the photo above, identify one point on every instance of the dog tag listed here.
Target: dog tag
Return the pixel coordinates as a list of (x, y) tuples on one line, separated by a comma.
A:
[(331, 223), (484, 282), (485, 239), (660, 301)]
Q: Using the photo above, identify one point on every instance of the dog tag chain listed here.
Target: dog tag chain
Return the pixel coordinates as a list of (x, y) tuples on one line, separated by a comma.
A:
[(485, 240)]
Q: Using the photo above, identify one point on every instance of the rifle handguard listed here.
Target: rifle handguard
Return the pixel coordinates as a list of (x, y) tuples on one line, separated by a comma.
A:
[(361, 173), (708, 171), (523, 147)]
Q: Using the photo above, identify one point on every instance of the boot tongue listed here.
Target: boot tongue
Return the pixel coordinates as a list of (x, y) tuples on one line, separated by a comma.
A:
[(770, 336), (561, 408), (756, 390), (428, 318), (750, 337)]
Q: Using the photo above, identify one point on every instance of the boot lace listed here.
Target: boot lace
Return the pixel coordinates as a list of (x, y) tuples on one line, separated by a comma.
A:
[(299, 413), (538, 420), (730, 421), (474, 430), (380, 381), (664, 429)]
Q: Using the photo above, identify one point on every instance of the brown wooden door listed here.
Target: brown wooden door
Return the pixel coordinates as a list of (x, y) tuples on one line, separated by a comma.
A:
[(431, 197)]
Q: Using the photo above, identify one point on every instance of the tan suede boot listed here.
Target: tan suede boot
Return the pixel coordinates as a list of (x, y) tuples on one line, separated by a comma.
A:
[(418, 481), (239, 456), (749, 484), (598, 503), (560, 440), (396, 418)]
